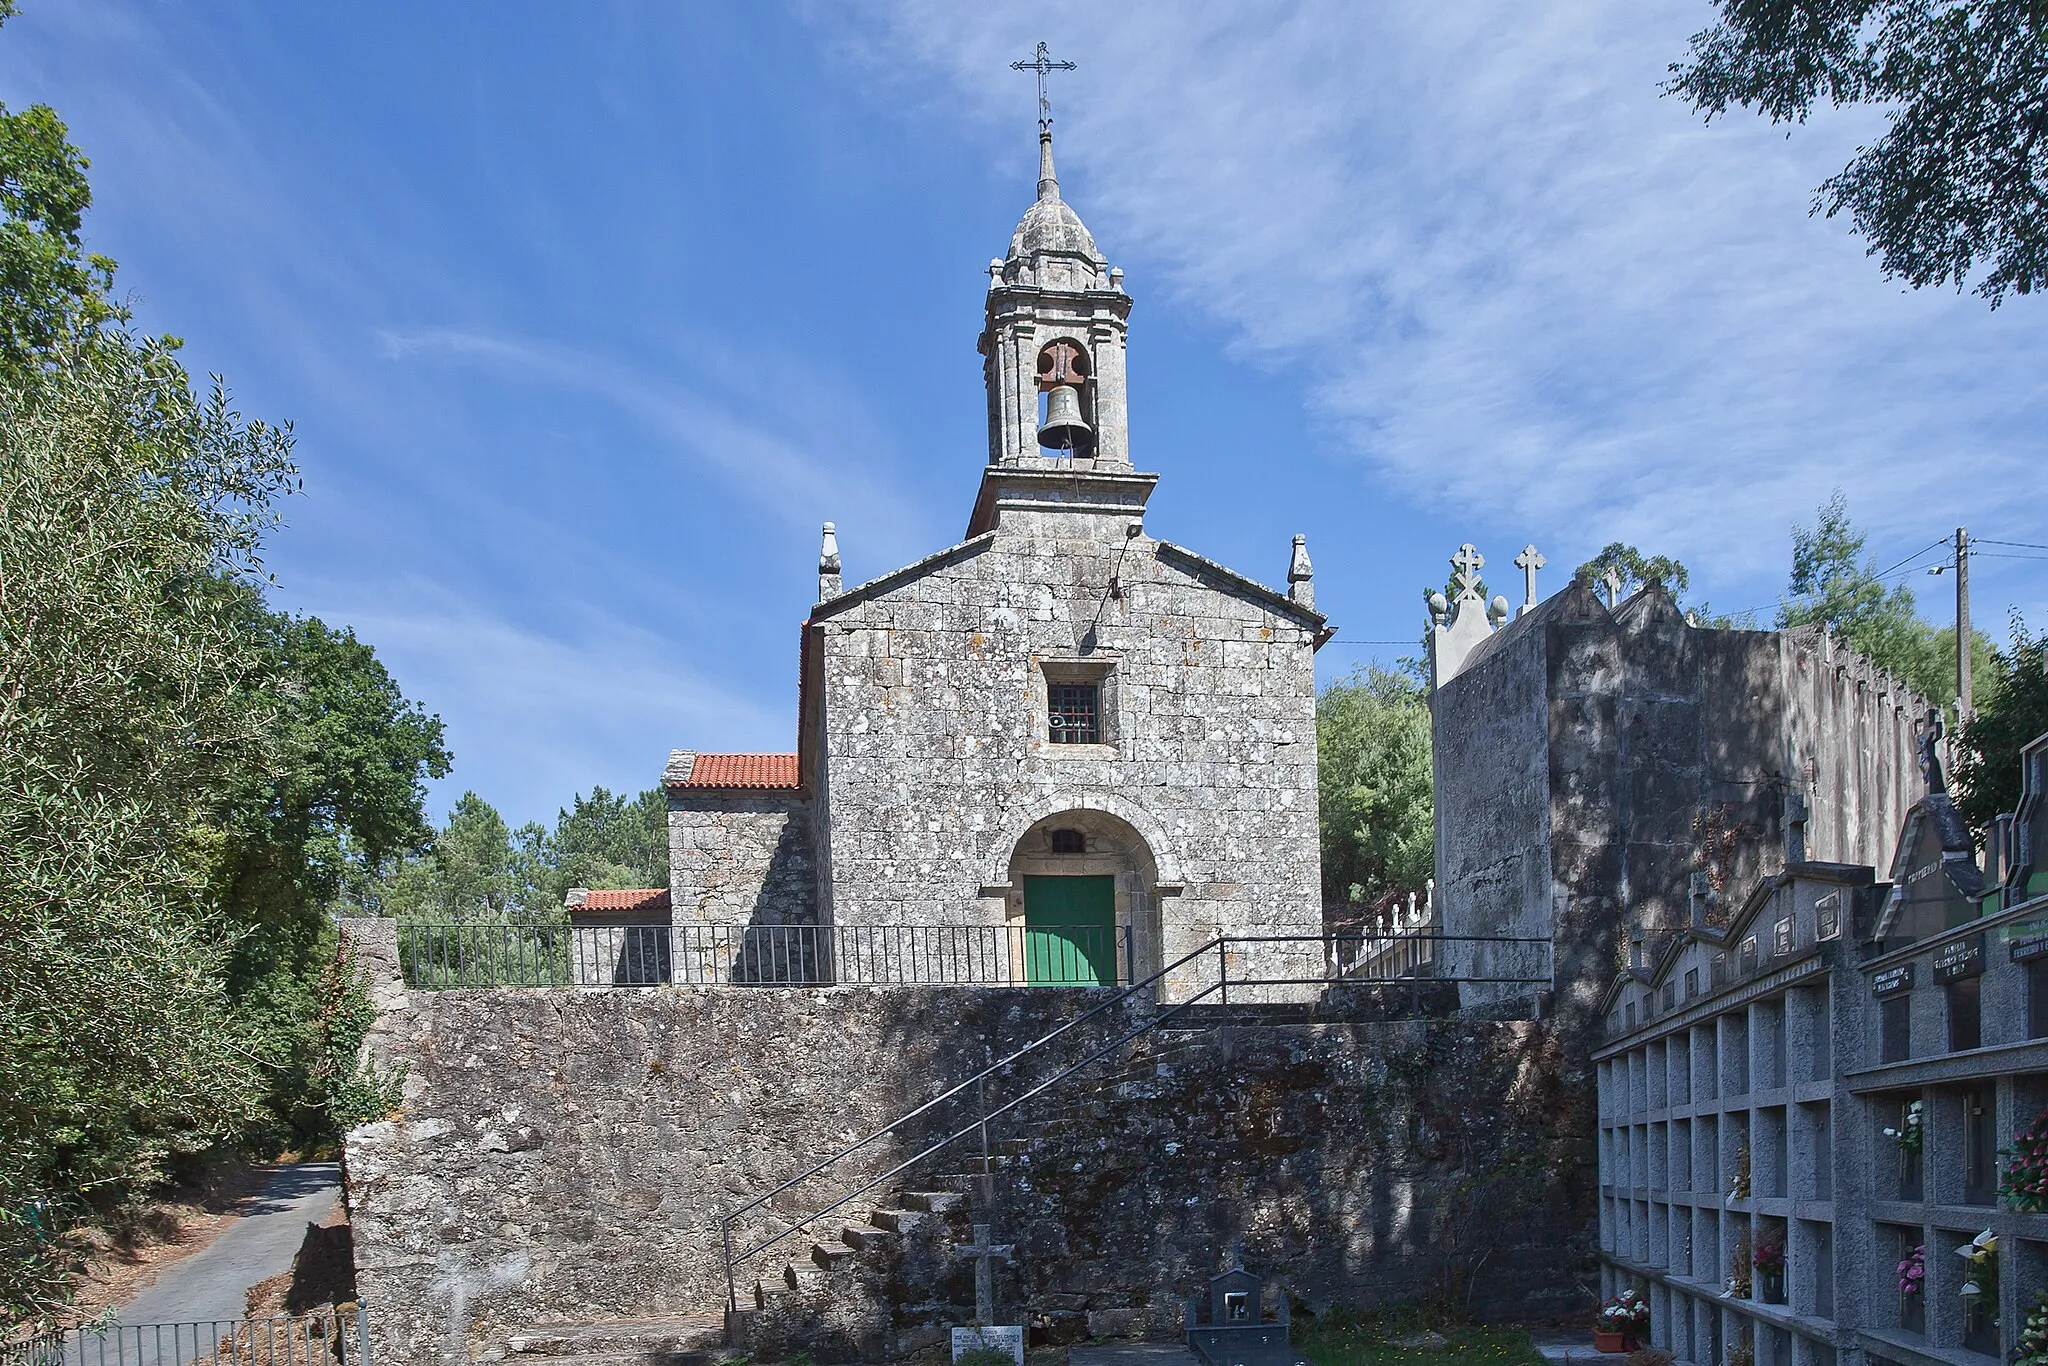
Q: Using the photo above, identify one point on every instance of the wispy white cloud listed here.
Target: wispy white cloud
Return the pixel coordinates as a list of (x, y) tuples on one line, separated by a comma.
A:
[(534, 715), (781, 439), (1524, 287)]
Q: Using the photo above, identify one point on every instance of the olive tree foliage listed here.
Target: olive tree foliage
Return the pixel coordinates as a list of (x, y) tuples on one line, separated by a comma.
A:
[(1374, 786), (1959, 181), (132, 511)]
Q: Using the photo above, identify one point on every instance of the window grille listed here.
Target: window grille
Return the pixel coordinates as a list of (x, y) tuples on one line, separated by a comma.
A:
[(1074, 713), (1069, 842)]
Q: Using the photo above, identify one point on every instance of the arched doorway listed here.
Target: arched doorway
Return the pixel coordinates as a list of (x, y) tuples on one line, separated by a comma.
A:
[(1082, 905)]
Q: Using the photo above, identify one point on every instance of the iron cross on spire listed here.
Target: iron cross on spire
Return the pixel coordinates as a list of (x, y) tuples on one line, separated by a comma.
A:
[(1042, 63)]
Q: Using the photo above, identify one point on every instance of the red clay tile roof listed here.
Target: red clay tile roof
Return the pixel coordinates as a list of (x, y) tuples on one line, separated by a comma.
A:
[(742, 771), (629, 899)]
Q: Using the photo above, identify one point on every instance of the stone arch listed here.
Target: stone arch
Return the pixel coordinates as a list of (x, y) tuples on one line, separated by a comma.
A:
[(1091, 841), (1167, 868)]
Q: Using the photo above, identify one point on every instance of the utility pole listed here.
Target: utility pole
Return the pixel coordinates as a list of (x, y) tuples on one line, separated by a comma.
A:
[(1963, 701)]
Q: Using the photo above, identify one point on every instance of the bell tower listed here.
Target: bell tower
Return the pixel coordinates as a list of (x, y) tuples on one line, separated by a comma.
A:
[(1052, 340)]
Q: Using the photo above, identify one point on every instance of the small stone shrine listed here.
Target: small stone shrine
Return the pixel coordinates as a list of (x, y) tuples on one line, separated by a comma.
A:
[(1237, 1333)]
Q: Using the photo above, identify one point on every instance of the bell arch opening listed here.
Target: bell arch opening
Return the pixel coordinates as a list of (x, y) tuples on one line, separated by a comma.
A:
[(1082, 903), (1066, 398)]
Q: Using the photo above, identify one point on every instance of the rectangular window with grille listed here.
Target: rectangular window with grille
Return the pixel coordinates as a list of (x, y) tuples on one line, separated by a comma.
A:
[(1074, 713)]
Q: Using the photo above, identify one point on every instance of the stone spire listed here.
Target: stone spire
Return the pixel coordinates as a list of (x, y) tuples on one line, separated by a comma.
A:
[(828, 565), (1301, 575), (1056, 315)]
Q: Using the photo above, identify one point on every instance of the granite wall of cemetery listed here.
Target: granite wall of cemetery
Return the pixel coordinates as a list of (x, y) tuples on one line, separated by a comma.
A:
[(1588, 762), (564, 1155)]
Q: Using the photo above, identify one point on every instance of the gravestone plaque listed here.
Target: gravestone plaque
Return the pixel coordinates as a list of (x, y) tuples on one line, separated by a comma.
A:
[(1892, 981), (1960, 959), (1004, 1338)]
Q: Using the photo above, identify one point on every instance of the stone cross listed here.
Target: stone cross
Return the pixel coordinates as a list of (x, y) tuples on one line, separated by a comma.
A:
[(984, 1281), (1529, 561), (1613, 587), (1468, 562), (1042, 62)]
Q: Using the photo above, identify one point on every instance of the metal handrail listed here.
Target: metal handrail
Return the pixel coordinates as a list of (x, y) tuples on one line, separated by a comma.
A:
[(483, 954), (1220, 988)]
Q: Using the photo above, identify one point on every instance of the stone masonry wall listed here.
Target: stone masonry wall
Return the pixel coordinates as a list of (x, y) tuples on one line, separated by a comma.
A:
[(934, 727), (563, 1155), (1618, 753), (738, 859)]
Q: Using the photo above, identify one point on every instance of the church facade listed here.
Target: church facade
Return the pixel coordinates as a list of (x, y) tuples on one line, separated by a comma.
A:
[(1060, 721)]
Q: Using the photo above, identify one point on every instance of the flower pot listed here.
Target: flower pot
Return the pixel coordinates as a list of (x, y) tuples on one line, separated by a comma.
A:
[(1613, 1342)]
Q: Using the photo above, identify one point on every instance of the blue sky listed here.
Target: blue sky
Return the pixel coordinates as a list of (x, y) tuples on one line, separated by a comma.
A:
[(587, 316)]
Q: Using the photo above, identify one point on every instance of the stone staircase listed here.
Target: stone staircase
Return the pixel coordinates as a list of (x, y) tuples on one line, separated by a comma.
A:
[(892, 1283), (663, 1340)]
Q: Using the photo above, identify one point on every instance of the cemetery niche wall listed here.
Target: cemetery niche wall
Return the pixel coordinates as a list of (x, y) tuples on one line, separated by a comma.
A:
[(1824, 1123)]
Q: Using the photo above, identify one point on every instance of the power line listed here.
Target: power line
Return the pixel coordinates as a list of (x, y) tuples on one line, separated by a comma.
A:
[(2024, 545), (1914, 556)]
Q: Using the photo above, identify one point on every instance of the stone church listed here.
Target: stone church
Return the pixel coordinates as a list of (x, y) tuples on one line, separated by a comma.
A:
[(1062, 720)]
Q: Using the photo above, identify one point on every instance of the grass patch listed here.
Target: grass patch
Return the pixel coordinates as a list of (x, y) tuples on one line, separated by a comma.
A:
[(1376, 1339)]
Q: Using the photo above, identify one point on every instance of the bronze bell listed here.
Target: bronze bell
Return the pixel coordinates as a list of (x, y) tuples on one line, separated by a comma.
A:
[(1064, 429)]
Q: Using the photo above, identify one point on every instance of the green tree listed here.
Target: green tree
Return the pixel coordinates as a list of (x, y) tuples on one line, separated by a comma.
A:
[(474, 869), (1833, 583), (343, 796), (1960, 178), (131, 516), (51, 291), (1987, 770), (1374, 786), (1633, 569), (608, 840)]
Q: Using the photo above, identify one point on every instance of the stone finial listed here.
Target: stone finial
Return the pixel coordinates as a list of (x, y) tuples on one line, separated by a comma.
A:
[(1497, 611), (828, 565), (1613, 588), (1301, 587), (1458, 626), (1529, 561)]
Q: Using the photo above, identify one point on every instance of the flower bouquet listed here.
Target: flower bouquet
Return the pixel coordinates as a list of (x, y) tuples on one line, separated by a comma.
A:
[(1769, 1261), (1981, 1252), (1738, 1286), (1738, 1184), (2032, 1349), (2025, 1187), (1913, 1270), (1907, 1135), (1621, 1321)]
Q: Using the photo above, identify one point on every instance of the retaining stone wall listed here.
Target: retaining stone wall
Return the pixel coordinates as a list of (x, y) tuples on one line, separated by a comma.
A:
[(562, 1155)]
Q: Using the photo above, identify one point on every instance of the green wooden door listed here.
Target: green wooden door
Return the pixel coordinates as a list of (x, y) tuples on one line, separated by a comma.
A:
[(1070, 930)]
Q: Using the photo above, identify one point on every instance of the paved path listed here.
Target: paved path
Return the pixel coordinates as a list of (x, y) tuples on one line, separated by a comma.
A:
[(1566, 1349), (213, 1282)]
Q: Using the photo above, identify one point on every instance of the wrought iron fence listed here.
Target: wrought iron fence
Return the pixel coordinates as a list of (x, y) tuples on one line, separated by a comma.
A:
[(439, 956), (336, 1337)]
